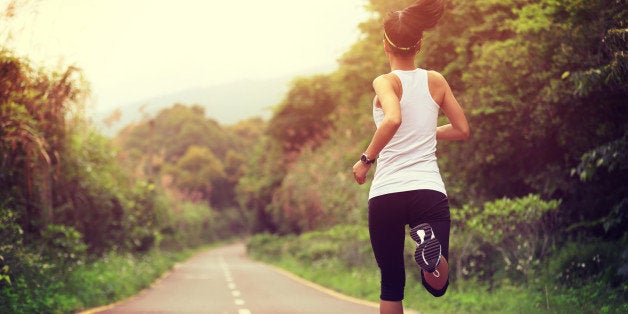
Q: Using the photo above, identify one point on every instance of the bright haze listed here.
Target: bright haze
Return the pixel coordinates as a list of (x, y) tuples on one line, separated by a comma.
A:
[(133, 50)]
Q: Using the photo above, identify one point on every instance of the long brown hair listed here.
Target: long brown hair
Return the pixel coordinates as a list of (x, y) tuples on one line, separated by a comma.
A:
[(404, 29)]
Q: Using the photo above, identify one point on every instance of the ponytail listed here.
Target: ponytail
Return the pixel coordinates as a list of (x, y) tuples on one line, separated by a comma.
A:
[(424, 14), (404, 29)]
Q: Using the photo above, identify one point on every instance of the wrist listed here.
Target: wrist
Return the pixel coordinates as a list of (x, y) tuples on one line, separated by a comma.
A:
[(366, 160)]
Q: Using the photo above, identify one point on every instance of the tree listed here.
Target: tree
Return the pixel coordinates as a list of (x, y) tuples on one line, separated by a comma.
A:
[(302, 118), (33, 110), (197, 174), (264, 171), (516, 67), (186, 151)]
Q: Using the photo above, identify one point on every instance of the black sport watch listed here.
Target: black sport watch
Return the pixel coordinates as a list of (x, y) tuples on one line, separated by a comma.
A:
[(365, 160)]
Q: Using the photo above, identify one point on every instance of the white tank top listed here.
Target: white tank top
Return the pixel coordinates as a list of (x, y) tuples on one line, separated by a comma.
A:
[(408, 161)]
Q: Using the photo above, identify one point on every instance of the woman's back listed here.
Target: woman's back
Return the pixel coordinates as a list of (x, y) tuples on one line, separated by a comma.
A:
[(408, 161)]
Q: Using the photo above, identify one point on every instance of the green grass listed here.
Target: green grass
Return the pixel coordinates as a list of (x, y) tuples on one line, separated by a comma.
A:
[(119, 276), (340, 259), (111, 278), (356, 282)]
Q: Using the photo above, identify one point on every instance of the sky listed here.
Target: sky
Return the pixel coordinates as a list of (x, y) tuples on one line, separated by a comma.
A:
[(131, 50)]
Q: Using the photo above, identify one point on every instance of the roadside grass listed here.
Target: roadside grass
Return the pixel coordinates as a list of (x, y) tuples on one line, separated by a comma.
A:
[(341, 259), (112, 278), (352, 282), (117, 277)]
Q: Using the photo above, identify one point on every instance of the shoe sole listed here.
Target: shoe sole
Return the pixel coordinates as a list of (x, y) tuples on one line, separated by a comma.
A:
[(428, 251)]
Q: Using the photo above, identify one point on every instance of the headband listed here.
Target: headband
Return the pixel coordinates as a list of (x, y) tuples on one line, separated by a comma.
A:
[(401, 48)]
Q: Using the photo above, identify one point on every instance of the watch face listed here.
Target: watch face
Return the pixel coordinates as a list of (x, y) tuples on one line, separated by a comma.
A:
[(364, 159)]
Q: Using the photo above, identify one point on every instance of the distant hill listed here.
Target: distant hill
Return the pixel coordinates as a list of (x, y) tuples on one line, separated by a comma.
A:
[(227, 103)]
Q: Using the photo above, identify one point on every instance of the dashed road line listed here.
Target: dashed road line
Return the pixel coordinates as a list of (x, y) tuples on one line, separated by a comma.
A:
[(232, 286)]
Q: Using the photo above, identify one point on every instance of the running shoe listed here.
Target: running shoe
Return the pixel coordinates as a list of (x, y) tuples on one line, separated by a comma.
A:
[(428, 251)]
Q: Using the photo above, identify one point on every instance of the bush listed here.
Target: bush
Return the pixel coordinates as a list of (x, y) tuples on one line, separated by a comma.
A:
[(519, 230), (63, 246), (267, 247), (325, 258), (193, 224), (10, 244), (585, 261), (348, 245)]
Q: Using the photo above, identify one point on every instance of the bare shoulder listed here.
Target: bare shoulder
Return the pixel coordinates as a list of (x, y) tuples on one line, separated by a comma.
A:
[(436, 78), (384, 79), (437, 84), (388, 81)]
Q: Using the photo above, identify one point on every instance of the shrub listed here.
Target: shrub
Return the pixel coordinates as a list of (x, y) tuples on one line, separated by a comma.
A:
[(346, 244), (63, 246), (589, 260), (520, 230)]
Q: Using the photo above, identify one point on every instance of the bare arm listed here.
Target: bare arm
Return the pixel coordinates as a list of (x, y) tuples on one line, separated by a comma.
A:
[(458, 128), (389, 101)]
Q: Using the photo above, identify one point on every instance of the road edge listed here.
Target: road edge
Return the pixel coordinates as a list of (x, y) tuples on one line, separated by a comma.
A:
[(131, 298), (326, 290)]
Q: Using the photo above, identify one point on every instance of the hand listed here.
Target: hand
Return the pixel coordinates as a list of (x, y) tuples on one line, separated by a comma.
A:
[(359, 172)]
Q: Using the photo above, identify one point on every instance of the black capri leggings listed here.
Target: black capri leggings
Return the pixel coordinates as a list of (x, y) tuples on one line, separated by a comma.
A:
[(388, 216)]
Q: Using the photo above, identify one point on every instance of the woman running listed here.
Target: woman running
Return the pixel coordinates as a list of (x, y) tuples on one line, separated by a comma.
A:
[(407, 188)]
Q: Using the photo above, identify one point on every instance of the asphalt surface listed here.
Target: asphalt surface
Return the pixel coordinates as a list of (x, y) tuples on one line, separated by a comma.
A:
[(224, 280)]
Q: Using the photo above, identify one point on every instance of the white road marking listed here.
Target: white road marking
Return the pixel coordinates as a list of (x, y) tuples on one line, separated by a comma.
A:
[(232, 286)]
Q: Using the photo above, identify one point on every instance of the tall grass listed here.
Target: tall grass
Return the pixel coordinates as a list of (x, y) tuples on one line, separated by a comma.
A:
[(95, 283)]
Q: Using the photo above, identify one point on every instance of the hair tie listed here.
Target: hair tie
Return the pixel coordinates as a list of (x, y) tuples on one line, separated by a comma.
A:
[(400, 48)]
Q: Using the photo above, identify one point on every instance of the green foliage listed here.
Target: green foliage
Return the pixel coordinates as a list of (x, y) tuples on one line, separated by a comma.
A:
[(602, 172), (519, 229), (310, 197), (63, 196), (302, 118), (115, 277), (610, 157), (63, 245), (189, 225), (56, 171), (142, 220), (339, 258), (514, 67), (93, 192), (34, 106), (506, 62), (583, 261), (191, 156), (265, 169), (198, 172), (347, 244), (10, 244), (94, 283), (543, 84), (507, 69), (167, 136)]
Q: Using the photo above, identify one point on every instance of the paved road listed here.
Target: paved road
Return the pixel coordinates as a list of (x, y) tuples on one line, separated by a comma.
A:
[(224, 280)]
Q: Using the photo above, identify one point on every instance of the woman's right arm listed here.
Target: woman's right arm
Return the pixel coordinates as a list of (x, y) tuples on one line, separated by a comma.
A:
[(388, 99), (458, 128)]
